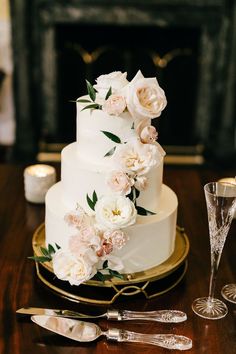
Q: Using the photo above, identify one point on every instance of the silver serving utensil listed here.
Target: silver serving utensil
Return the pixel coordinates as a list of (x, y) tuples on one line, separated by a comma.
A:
[(166, 316), (87, 332)]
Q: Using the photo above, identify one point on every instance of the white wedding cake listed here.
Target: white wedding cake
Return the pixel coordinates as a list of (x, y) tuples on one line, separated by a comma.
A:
[(111, 213)]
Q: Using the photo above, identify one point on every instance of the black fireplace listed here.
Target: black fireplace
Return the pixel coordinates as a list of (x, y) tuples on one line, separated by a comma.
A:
[(187, 45)]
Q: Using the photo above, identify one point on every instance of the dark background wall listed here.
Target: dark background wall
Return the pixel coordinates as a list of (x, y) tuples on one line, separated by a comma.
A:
[(190, 45)]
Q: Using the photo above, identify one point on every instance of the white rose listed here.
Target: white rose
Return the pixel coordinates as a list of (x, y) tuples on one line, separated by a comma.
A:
[(120, 182), (145, 98), (135, 157), (115, 105), (116, 80), (76, 270), (115, 212)]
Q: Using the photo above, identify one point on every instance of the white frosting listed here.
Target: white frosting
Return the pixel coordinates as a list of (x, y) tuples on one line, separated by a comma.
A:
[(152, 238), (92, 143), (80, 178)]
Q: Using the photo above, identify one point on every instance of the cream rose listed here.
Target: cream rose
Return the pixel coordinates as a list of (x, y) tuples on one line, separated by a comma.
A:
[(141, 183), (116, 80), (145, 98), (120, 182), (135, 157), (113, 212), (114, 105), (76, 270)]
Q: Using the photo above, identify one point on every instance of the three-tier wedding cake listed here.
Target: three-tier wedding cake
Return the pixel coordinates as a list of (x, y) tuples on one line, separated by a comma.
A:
[(111, 213)]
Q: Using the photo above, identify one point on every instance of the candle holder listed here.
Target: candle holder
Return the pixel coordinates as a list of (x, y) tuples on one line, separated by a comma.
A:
[(37, 181)]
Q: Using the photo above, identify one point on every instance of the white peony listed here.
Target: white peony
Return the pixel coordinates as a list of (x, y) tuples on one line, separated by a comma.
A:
[(115, 212), (116, 80), (144, 97), (135, 157), (114, 105), (76, 270)]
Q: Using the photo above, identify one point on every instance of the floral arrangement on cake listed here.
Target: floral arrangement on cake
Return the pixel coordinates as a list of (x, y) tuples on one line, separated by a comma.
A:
[(97, 235)]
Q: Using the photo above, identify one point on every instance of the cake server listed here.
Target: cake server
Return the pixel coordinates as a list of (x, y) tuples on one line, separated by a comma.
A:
[(87, 332), (168, 316)]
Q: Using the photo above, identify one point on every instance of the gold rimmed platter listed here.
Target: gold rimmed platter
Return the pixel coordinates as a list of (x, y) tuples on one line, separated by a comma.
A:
[(151, 282)]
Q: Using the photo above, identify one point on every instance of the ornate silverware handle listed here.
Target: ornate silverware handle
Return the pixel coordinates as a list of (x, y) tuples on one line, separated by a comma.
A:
[(169, 341), (168, 316)]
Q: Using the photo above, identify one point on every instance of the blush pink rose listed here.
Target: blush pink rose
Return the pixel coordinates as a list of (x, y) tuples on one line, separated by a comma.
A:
[(146, 132), (120, 182), (114, 105), (117, 237), (148, 135), (74, 219)]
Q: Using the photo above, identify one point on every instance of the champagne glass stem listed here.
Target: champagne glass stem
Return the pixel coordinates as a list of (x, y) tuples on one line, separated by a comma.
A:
[(215, 260)]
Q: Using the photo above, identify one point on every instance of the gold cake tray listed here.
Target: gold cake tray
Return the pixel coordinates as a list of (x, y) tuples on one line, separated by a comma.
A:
[(150, 283)]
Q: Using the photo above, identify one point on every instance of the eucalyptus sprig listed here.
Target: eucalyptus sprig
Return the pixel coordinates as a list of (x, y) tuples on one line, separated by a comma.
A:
[(92, 94), (47, 254)]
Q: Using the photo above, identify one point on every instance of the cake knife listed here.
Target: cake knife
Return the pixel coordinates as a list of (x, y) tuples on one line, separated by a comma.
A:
[(165, 316)]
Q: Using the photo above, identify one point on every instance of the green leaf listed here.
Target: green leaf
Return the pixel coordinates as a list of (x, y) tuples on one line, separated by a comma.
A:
[(45, 252), (82, 100), (105, 264), (100, 276), (143, 211), (111, 136), (90, 202), (57, 246), (41, 259), (51, 249), (116, 274), (110, 152), (91, 91), (95, 198), (137, 192), (109, 92), (91, 106)]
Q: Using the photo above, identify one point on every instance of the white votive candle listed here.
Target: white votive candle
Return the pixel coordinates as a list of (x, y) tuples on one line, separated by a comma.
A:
[(37, 181), (232, 181)]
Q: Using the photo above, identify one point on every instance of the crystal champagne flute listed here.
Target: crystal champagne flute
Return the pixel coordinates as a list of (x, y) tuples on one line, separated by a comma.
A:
[(229, 291), (220, 201)]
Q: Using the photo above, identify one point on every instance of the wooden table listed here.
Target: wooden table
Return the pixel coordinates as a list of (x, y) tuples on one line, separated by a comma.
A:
[(20, 286)]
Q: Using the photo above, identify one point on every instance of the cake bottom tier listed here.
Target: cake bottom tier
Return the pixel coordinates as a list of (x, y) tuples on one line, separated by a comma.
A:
[(151, 239)]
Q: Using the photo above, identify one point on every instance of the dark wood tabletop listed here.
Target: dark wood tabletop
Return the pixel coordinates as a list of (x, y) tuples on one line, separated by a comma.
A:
[(20, 286)]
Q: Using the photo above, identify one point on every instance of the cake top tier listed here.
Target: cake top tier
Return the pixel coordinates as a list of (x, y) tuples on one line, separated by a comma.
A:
[(115, 111), (142, 97)]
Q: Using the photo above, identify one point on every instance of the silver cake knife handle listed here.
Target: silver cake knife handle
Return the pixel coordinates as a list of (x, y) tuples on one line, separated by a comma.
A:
[(165, 316)]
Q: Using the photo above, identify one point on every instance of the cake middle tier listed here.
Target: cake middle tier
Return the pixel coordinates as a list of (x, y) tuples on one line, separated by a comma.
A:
[(80, 178)]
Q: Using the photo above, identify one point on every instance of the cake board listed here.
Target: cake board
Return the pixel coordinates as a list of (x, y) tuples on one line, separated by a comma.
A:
[(150, 283)]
